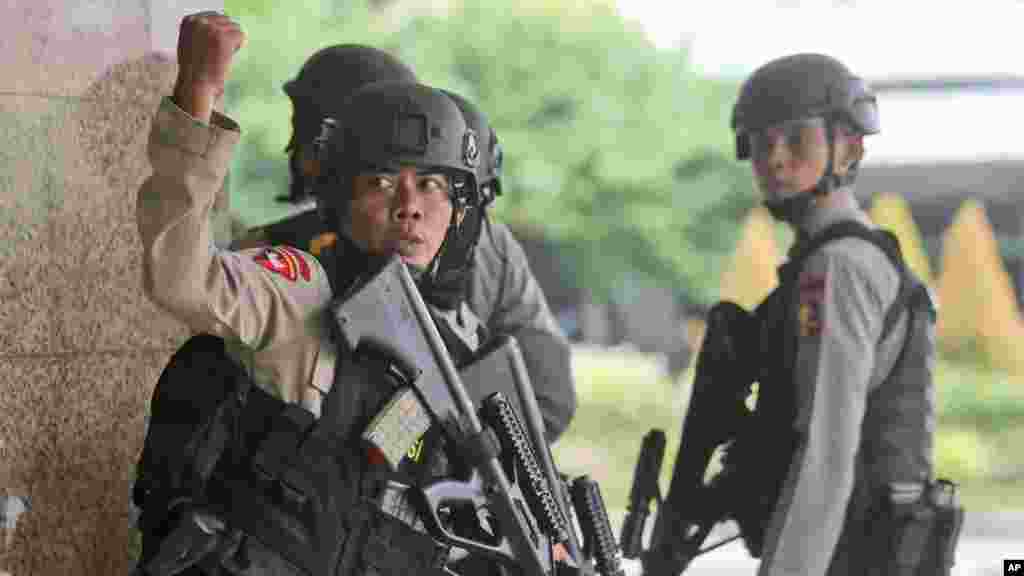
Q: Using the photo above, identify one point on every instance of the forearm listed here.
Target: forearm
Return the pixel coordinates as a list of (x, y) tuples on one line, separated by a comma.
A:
[(173, 211)]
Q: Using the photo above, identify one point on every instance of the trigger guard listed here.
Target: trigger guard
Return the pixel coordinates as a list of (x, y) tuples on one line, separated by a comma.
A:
[(471, 492)]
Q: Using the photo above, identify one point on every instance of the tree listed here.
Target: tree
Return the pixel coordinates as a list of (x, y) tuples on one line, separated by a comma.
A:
[(615, 148)]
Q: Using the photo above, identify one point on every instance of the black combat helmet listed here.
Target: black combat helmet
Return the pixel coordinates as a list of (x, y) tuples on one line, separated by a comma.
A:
[(387, 125), (801, 86), (320, 89), (804, 86), (488, 173)]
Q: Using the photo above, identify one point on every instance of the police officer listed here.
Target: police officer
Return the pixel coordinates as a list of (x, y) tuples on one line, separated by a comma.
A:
[(854, 429), (380, 202), (502, 290)]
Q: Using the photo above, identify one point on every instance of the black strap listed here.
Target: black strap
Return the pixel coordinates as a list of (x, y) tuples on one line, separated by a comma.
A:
[(289, 428), (885, 241)]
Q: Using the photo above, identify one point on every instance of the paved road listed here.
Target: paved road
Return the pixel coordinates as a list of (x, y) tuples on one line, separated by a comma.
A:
[(975, 557), (987, 539)]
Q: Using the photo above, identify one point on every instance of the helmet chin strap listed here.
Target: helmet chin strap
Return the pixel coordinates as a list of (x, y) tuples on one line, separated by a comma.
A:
[(433, 267), (794, 210), (444, 286)]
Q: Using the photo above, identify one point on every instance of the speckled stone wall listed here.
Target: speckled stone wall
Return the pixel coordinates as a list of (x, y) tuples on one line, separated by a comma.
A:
[(80, 346)]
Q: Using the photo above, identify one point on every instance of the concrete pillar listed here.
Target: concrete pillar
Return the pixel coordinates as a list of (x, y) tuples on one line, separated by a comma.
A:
[(80, 346)]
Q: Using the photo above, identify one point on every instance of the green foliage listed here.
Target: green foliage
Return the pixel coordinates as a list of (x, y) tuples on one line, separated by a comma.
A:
[(982, 398), (614, 148), (962, 453), (250, 8)]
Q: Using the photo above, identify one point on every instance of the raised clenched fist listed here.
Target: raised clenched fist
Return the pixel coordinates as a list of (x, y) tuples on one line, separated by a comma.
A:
[(207, 43)]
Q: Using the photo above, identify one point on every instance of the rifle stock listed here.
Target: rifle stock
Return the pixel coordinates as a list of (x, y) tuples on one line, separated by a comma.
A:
[(714, 415)]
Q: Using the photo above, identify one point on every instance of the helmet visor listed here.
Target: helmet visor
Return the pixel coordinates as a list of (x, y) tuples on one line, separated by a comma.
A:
[(802, 138)]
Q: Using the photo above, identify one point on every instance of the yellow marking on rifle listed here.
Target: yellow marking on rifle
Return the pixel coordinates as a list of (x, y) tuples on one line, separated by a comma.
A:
[(415, 450)]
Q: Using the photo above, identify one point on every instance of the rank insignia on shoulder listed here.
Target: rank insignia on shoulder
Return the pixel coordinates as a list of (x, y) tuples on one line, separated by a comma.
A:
[(812, 292), (285, 261), (810, 319)]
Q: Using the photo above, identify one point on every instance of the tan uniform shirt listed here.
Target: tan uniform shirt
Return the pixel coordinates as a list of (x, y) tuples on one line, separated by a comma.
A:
[(270, 300), (844, 291)]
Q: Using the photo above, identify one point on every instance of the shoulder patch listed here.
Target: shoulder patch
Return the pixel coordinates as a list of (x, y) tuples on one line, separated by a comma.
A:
[(812, 292), (284, 261), (304, 269)]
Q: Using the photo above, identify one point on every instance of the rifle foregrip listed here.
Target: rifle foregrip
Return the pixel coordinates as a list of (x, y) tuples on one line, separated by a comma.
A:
[(509, 428), (599, 540)]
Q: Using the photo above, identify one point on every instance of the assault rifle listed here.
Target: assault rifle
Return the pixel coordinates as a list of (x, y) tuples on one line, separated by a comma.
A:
[(715, 414), (513, 476)]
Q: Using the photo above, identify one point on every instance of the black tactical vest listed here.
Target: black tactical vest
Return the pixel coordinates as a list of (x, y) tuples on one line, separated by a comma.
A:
[(307, 491), (898, 451)]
